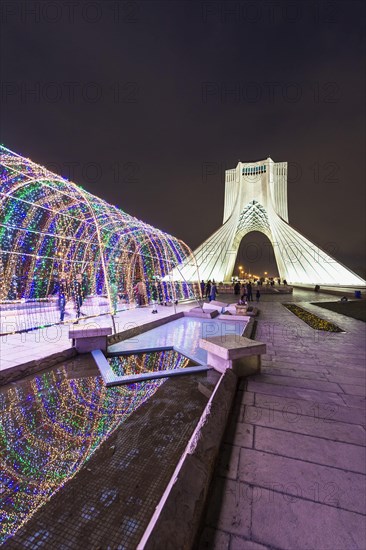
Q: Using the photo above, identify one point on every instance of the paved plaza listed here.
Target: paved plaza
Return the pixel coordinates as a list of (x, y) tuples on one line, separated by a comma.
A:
[(291, 470), (292, 465)]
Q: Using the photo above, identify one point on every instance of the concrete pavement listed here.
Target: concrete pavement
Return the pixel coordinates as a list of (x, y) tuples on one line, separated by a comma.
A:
[(291, 473)]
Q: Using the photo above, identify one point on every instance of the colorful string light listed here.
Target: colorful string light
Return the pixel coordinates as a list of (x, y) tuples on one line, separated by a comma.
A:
[(139, 363), (50, 229), (50, 426)]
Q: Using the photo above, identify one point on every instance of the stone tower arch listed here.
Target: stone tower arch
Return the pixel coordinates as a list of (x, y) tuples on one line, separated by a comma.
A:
[(256, 200)]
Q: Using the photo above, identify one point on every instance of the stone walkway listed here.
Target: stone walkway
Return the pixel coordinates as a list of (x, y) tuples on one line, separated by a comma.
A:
[(291, 473), (292, 466)]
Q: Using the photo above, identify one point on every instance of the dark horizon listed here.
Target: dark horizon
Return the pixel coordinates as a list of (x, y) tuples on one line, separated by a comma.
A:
[(146, 104)]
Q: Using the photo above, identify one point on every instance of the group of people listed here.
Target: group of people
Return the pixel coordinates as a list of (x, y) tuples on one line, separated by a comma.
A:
[(157, 294), (209, 289), (246, 292), (73, 289)]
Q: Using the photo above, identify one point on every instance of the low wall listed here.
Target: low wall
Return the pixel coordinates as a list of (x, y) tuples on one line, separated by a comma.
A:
[(32, 367), (342, 291), (139, 329), (18, 372), (177, 518)]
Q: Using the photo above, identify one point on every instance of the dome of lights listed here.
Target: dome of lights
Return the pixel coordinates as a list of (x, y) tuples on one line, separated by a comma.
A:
[(52, 229)]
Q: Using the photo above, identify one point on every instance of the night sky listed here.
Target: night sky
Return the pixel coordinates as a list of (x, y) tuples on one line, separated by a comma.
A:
[(145, 104)]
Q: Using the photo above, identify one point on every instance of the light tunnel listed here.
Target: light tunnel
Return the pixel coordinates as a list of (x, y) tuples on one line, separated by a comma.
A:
[(52, 229)]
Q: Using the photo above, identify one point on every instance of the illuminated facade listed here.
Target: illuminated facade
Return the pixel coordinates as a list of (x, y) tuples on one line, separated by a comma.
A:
[(51, 229), (256, 200)]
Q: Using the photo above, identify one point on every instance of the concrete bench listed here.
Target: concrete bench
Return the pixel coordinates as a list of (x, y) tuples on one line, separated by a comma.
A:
[(238, 353), (238, 310), (86, 339), (241, 309), (200, 313), (218, 304), (233, 317), (211, 307)]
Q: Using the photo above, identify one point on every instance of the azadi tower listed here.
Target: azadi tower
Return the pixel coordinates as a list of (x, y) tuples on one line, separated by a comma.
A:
[(256, 200)]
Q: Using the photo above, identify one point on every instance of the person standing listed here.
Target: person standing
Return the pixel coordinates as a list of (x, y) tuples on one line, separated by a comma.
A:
[(160, 293), (140, 293), (77, 293), (208, 289), (202, 285), (244, 293), (213, 292), (114, 296), (154, 296), (237, 288), (249, 292), (257, 295), (62, 298)]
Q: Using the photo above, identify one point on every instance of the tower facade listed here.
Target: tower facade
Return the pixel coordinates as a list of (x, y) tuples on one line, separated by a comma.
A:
[(256, 200)]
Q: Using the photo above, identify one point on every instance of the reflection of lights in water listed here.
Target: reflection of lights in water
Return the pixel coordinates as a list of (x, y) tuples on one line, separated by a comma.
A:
[(49, 427), (147, 362)]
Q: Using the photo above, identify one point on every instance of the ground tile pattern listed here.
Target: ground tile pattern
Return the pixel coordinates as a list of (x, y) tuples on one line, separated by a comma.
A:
[(291, 473)]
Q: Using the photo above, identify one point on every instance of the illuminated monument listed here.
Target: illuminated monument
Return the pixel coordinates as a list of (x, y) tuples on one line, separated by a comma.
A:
[(256, 200)]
